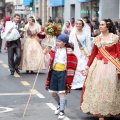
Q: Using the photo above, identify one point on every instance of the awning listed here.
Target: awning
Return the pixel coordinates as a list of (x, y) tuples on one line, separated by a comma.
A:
[(26, 2), (54, 3), (84, 0)]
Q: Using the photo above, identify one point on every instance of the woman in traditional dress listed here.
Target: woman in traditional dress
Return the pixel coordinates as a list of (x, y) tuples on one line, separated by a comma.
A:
[(101, 91), (67, 28), (80, 38), (32, 50)]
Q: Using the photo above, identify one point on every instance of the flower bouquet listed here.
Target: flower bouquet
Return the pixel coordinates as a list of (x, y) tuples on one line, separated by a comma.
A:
[(22, 29), (52, 29)]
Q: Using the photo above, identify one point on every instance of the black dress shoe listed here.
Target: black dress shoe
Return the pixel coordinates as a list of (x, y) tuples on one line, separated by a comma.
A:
[(12, 72), (32, 72), (17, 71), (27, 71)]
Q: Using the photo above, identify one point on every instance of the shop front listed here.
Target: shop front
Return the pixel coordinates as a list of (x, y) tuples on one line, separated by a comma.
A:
[(89, 8), (57, 8)]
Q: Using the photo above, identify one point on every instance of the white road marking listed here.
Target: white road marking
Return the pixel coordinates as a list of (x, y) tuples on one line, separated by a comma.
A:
[(6, 109), (51, 106), (25, 83), (40, 95), (54, 108), (5, 65), (16, 75), (66, 118), (37, 93), (6, 94), (34, 92)]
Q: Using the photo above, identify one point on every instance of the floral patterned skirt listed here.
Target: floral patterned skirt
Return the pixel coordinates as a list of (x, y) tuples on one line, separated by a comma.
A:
[(101, 92), (32, 55)]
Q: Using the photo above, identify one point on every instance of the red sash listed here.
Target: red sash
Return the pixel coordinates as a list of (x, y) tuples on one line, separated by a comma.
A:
[(108, 56)]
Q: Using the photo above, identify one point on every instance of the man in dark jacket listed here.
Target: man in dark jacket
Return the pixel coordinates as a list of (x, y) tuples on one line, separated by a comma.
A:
[(14, 48)]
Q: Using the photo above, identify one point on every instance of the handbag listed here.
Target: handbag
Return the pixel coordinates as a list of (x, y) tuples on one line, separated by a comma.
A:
[(41, 35), (12, 35)]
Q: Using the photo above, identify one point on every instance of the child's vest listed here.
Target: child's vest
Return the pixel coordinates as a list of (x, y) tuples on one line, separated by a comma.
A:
[(70, 68)]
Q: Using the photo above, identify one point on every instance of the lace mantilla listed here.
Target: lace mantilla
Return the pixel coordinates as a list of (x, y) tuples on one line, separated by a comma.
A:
[(113, 40)]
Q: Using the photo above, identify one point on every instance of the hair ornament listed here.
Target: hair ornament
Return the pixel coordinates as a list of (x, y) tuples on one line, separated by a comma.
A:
[(108, 22)]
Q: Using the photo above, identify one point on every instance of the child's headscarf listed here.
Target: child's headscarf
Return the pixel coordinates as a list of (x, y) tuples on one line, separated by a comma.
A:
[(64, 38)]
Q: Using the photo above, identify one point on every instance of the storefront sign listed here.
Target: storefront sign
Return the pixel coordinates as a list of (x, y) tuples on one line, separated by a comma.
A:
[(26, 2), (84, 0), (54, 3)]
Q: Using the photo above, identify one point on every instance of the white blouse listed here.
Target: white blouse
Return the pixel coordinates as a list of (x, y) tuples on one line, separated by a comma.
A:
[(60, 56)]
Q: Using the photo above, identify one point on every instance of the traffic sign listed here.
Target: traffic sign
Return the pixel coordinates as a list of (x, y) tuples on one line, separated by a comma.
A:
[(27, 8)]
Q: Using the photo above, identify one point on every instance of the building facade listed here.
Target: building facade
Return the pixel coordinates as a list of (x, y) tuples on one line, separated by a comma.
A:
[(42, 10), (15, 7), (57, 10), (2, 8), (9, 8), (20, 8), (109, 9), (92, 8), (62, 9)]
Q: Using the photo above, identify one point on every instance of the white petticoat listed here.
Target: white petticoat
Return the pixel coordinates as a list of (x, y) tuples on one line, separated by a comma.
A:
[(79, 79)]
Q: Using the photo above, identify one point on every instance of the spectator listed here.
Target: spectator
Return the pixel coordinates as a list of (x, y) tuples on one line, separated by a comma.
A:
[(117, 28), (72, 21), (119, 23), (39, 20), (50, 20), (95, 24), (66, 29), (1, 26), (86, 19), (116, 24), (58, 21)]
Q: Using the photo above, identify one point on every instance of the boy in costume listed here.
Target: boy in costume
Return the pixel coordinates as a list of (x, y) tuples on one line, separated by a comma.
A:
[(62, 66)]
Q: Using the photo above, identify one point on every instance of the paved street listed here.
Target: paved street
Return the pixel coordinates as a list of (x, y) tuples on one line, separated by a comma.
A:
[(15, 91)]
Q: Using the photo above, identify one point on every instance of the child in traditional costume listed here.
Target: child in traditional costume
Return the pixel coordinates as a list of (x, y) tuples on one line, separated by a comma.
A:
[(62, 66)]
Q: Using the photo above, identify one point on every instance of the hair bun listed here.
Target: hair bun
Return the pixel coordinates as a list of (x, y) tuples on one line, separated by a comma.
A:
[(110, 25)]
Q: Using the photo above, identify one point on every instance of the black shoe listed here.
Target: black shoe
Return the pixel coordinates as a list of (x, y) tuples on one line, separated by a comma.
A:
[(17, 71), (27, 71), (12, 72), (32, 72)]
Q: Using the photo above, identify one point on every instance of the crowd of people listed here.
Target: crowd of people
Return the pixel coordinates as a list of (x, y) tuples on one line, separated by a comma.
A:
[(74, 62)]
